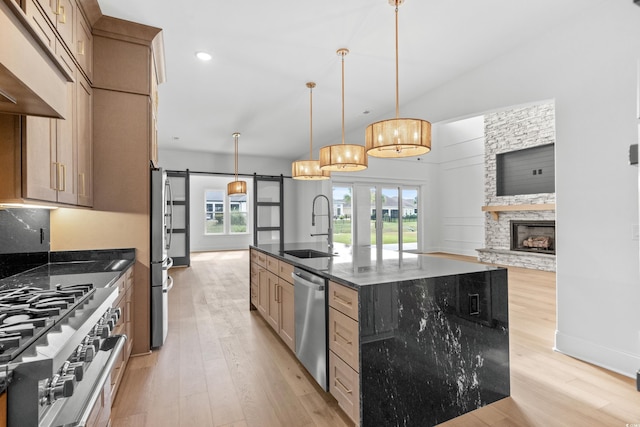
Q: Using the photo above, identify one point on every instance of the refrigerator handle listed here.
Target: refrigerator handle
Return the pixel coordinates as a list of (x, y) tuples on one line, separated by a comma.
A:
[(170, 286), (170, 214)]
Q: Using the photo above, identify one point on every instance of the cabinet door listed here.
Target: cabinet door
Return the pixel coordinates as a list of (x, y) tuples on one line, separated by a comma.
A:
[(66, 144), (263, 291), (83, 50), (65, 21), (273, 309), (39, 153), (287, 315), (49, 7), (41, 22), (85, 143)]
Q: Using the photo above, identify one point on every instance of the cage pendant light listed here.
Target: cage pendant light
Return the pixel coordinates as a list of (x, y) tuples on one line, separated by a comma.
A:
[(309, 169), (235, 186), (398, 137), (343, 157)]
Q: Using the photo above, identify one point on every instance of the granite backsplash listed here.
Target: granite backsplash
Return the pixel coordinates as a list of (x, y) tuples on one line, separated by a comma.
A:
[(24, 240)]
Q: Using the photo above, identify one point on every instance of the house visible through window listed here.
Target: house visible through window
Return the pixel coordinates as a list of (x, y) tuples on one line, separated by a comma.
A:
[(225, 214)]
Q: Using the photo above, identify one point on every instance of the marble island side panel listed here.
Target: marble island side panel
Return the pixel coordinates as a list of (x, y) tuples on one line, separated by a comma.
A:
[(433, 349)]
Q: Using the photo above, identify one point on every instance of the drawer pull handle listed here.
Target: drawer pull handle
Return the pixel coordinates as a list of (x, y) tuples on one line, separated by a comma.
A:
[(345, 339), (347, 390), (344, 301)]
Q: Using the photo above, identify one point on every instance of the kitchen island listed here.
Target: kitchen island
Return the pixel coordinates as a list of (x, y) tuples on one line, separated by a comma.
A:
[(431, 335)]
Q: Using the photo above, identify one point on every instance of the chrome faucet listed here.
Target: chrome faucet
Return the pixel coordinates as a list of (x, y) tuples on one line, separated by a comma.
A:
[(329, 216)]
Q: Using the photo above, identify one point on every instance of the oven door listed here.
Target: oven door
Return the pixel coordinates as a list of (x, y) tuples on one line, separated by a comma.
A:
[(91, 394)]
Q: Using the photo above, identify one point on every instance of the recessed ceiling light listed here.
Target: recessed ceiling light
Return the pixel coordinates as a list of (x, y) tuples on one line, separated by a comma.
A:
[(203, 56)]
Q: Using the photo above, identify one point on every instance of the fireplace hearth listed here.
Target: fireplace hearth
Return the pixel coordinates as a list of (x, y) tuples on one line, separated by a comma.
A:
[(533, 236)]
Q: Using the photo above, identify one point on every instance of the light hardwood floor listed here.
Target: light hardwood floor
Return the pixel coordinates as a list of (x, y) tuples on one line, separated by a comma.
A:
[(223, 366)]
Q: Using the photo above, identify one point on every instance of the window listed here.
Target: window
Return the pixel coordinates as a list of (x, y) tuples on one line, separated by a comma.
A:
[(218, 220), (342, 214), (382, 215), (238, 213)]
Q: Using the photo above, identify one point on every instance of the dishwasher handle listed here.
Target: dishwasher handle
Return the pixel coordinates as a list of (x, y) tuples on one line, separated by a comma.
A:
[(299, 280)]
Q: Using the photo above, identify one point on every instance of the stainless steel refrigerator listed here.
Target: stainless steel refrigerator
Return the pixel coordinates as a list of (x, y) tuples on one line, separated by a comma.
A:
[(161, 231)]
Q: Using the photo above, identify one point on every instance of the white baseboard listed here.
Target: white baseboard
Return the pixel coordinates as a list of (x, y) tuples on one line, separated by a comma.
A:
[(614, 360)]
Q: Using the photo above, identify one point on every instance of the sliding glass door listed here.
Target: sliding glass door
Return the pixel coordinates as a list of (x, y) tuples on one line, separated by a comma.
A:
[(378, 215)]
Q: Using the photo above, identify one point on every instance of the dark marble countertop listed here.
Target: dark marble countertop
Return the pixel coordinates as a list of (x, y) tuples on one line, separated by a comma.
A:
[(361, 266), (102, 268)]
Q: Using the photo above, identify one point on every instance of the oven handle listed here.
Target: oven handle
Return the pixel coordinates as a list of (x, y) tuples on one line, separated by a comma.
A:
[(105, 375)]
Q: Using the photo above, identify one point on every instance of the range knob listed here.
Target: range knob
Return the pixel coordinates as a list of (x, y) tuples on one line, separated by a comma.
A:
[(73, 368), (102, 330), (84, 353), (116, 314), (61, 386), (92, 339), (112, 323)]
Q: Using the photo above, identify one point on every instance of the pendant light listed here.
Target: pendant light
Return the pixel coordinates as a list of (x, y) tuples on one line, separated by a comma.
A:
[(398, 137), (309, 169), (343, 157), (236, 187)]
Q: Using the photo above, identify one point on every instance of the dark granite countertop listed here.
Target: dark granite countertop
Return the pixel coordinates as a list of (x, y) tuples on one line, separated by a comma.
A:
[(361, 266), (100, 267)]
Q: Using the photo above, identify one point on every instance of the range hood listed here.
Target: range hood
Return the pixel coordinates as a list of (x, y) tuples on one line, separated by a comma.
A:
[(31, 81)]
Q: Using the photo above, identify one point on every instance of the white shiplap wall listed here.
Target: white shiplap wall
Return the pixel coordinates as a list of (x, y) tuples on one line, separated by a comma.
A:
[(461, 185)]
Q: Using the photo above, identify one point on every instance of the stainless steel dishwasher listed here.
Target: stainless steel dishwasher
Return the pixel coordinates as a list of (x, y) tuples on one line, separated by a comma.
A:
[(311, 323)]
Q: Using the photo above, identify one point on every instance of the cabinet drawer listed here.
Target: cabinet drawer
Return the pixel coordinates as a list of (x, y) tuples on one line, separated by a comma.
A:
[(272, 264), (343, 299), (285, 271), (344, 385), (343, 338), (259, 258)]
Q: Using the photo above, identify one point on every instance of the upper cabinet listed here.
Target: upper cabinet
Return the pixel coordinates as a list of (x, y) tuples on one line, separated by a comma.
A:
[(63, 28), (129, 63), (50, 159)]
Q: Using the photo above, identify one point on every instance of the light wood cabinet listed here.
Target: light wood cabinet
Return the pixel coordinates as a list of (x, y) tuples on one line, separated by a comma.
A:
[(83, 47), (273, 306), (49, 150), (84, 129), (63, 19), (124, 326), (344, 349), (272, 287), (344, 338), (56, 154), (286, 328), (343, 299), (344, 385), (261, 284)]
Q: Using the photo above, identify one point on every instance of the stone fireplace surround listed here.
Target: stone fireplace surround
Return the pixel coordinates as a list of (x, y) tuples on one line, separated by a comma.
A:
[(505, 131)]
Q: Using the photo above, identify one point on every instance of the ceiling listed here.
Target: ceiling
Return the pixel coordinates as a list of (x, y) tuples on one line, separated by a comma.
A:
[(264, 52)]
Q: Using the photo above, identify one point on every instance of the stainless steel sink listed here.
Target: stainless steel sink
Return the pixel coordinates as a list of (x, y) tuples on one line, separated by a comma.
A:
[(308, 253)]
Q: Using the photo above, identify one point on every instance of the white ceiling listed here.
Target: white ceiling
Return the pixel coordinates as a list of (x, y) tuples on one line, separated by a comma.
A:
[(264, 52)]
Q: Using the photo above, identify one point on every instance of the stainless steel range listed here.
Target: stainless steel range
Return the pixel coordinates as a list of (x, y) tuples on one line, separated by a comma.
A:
[(56, 351)]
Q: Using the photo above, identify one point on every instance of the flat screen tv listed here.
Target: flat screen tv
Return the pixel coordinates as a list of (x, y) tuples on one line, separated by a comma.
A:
[(526, 171)]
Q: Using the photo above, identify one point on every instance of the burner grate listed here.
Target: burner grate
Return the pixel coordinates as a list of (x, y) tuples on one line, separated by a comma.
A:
[(27, 313)]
